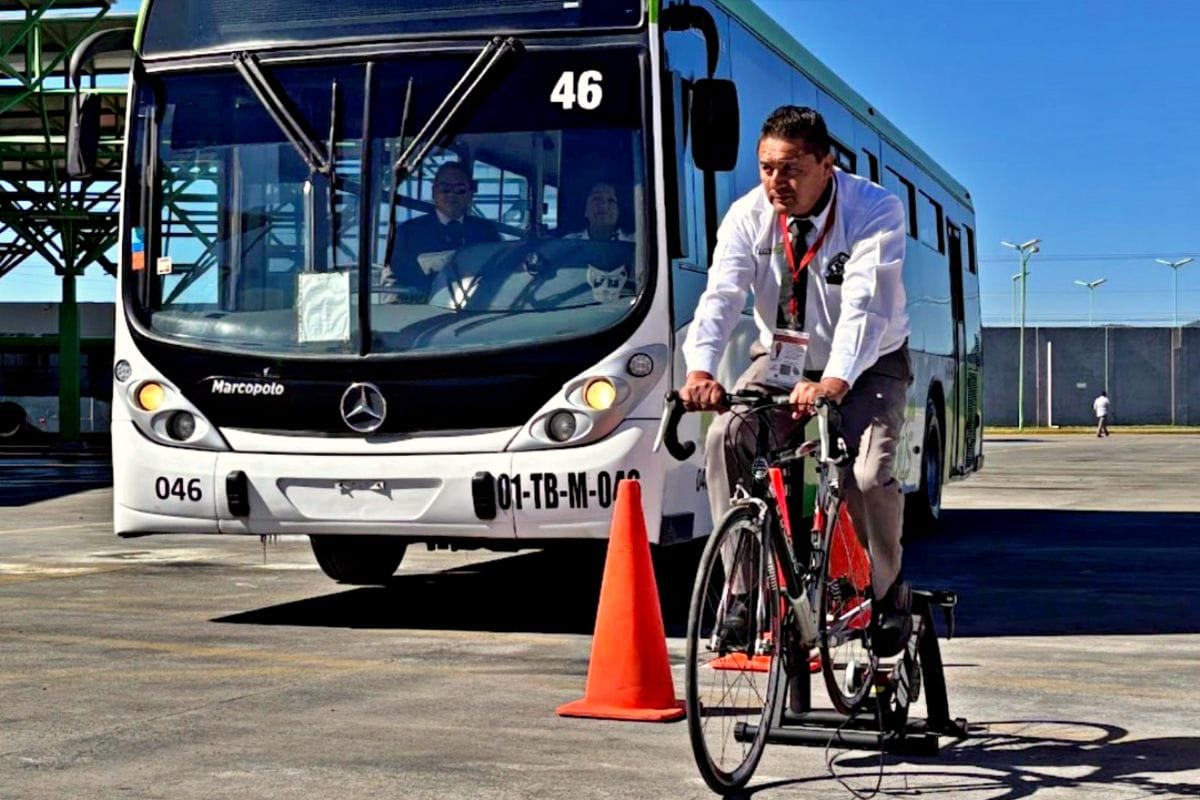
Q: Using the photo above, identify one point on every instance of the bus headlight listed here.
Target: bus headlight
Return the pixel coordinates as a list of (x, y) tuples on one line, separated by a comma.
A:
[(122, 371), (164, 415), (150, 396), (600, 394), (181, 426), (561, 426)]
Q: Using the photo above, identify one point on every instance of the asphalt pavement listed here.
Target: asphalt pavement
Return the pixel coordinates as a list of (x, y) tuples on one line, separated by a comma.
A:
[(205, 667)]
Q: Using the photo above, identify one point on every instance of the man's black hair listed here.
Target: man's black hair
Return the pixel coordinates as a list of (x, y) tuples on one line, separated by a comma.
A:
[(799, 122)]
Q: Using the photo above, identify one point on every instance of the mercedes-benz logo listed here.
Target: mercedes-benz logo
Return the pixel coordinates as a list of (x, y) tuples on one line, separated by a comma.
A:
[(363, 407)]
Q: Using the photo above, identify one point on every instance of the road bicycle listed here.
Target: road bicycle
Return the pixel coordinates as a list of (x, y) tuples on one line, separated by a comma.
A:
[(765, 598)]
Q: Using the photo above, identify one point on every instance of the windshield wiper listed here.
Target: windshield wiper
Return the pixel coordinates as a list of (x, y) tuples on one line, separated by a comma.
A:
[(331, 149), (321, 159), (489, 67), (283, 112)]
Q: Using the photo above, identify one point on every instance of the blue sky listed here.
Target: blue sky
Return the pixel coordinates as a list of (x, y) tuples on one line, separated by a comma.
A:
[(1076, 121)]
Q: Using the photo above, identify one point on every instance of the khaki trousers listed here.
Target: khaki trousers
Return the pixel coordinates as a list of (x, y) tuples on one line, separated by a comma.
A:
[(872, 414)]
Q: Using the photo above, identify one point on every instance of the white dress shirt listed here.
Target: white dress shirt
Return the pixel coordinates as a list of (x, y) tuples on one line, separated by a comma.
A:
[(851, 325)]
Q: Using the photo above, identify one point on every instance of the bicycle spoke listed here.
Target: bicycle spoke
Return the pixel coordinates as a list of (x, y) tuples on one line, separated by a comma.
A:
[(728, 681), (845, 616)]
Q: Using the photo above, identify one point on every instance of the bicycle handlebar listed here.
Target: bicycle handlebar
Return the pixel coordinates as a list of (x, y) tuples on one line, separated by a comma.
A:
[(756, 401), (668, 433)]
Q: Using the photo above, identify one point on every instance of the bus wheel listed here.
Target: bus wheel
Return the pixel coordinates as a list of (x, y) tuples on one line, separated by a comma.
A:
[(923, 508), (358, 560)]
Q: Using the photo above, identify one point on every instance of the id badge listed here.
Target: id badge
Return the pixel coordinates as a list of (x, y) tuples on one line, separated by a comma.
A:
[(789, 352)]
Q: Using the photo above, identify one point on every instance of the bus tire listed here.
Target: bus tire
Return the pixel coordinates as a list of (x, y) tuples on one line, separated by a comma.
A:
[(359, 560), (923, 508)]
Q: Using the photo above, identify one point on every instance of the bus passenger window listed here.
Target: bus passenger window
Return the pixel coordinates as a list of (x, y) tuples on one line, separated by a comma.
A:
[(929, 222), (907, 194), (842, 157), (972, 266), (871, 166)]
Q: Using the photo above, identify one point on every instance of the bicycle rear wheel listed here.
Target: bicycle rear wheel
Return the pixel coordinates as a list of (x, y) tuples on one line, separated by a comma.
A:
[(845, 616), (732, 670)]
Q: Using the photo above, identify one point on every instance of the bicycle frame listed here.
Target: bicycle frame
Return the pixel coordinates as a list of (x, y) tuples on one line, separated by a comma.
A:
[(768, 495)]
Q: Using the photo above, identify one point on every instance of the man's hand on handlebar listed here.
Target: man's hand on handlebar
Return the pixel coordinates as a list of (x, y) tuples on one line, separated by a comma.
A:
[(702, 392), (805, 394)]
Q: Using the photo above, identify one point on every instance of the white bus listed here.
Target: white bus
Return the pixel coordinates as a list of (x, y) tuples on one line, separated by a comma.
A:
[(297, 352)]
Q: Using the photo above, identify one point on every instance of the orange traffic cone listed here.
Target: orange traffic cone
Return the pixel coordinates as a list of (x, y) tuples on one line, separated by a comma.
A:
[(629, 676)]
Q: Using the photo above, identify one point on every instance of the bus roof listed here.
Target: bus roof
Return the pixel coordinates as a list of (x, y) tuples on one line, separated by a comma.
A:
[(774, 35)]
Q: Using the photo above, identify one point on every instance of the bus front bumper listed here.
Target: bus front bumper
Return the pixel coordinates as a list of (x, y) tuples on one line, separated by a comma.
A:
[(543, 495)]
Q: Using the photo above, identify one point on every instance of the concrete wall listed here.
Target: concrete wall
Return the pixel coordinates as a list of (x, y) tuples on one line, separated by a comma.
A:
[(1066, 368)]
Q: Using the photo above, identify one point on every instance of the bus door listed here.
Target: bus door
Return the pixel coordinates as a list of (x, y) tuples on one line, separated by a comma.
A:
[(958, 428)]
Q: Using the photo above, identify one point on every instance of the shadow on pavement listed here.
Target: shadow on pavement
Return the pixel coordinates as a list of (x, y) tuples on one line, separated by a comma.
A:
[(544, 592), (1038, 573), (1009, 760), (26, 479), (1017, 572)]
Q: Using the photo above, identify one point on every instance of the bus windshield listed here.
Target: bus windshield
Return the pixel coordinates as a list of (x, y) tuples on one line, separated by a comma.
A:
[(526, 223)]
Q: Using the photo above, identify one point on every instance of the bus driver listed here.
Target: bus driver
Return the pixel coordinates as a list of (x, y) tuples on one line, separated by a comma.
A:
[(425, 244), (822, 251)]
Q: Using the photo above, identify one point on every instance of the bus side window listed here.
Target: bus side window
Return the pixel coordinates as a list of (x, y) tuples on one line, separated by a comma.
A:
[(929, 222), (871, 166), (843, 157), (903, 189), (972, 265)]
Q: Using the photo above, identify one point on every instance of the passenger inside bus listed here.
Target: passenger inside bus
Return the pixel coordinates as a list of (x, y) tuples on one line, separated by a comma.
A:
[(426, 244), (602, 211)]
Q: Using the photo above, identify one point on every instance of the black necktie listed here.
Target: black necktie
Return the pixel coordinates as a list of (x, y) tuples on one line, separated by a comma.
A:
[(793, 316), (454, 233)]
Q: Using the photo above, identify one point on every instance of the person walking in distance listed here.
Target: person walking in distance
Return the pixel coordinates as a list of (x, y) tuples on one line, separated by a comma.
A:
[(821, 251), (1103, 408)]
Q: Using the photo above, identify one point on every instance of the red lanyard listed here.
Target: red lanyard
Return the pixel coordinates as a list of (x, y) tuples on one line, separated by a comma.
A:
[(812, 251), (800, 287)]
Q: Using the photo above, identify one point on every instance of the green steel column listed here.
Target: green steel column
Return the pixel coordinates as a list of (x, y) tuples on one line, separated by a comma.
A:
[(68, 347)]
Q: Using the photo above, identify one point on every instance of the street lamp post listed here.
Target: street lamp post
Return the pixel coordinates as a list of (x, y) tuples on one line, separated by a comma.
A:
[(1024, 250), (1015, 279), (1091, 287), (1175, 265)]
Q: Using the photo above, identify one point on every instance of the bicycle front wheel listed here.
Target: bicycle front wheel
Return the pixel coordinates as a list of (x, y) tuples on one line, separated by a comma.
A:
[(733, 659), (845, 616)]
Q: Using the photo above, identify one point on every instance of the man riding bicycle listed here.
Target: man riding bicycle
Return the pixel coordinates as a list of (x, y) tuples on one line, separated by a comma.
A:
[(822, 251)]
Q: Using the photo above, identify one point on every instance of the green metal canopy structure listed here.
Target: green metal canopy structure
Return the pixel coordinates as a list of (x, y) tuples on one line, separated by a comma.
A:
[(45, 214)]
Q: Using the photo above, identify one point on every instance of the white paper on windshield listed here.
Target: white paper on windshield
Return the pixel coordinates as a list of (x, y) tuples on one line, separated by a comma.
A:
[(323, 307), (434, 262), (164, 266)]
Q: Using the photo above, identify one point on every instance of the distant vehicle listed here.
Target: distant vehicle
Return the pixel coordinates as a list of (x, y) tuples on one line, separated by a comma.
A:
[(271, 378), (29, 373)]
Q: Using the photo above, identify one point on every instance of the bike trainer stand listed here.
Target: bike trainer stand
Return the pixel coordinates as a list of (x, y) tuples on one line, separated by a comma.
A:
[(883, 723)]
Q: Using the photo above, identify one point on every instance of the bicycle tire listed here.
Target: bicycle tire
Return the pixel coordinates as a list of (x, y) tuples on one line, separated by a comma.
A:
[(717, 664), (844, 602)]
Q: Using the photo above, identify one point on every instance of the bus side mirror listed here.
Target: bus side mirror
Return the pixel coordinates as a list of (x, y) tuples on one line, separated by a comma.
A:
[(83, 134), (714, 125), (83, 126)]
